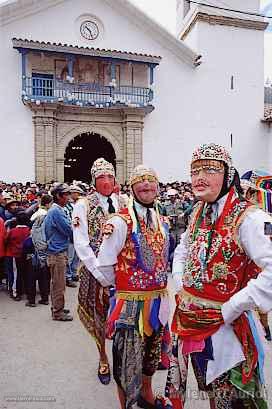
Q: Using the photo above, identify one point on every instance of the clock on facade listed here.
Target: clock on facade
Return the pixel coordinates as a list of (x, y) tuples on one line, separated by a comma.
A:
[(89, 30)]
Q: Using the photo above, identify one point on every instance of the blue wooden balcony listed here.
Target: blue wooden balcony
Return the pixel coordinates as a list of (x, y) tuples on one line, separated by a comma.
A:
[(47, 89)]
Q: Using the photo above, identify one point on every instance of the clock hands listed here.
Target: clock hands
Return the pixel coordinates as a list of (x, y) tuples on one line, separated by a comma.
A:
[(90, 31)]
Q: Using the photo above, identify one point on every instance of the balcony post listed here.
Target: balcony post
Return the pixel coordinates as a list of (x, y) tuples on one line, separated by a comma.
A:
[(151, 81), (113, 78), (24, 54), (113, 71), (71, 60)]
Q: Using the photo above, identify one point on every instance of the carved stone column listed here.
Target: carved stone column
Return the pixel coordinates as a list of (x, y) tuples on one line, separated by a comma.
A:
[(120, 171), (45, 144), (133, 125), (60, 169), (39, 131)]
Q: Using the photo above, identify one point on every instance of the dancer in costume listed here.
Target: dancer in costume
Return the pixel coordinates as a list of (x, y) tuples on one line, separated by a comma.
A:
[(260, 196), (218, 263), (89, 216), (134, 256)]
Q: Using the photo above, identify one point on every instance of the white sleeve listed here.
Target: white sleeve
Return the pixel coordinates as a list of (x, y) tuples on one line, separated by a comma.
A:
[(111, 247), (258, 246), (81, 236), (180, 256)]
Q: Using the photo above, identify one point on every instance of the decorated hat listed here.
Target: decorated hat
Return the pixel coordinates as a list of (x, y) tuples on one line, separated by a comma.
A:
[(142, 172), (102, 167), (247, 184), (213, 151), (261, 182)]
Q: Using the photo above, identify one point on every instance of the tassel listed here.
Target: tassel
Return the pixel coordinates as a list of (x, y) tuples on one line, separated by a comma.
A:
[(116, 312), (148, 330), (141, 323), (154, 316)]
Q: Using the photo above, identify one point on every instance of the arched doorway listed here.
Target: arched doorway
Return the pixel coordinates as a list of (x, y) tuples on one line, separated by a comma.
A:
[(81, 153)]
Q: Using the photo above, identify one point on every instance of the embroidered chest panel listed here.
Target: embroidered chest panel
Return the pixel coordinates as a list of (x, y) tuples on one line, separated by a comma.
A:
[(216, 265), (96, 221), (142, 264)]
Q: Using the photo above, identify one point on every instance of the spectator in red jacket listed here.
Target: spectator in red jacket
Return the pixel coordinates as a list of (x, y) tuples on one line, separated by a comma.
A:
[(14, 252)]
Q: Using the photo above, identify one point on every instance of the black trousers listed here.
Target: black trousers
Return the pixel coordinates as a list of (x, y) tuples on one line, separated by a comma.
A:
[(41, 274), (21, 280)]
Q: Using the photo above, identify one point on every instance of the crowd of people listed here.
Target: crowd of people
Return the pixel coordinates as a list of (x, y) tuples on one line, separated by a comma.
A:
[(122, 241), (23, 249)]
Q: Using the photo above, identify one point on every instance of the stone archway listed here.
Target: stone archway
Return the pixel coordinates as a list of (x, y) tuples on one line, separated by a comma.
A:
[(81, 153), (55, 126), (105, 133)]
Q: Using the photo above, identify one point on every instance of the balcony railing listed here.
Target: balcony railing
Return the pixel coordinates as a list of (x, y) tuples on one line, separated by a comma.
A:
[(39, 89)]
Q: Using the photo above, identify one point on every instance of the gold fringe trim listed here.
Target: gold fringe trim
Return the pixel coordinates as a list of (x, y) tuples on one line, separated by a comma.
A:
[(141, 295), (192, 298)]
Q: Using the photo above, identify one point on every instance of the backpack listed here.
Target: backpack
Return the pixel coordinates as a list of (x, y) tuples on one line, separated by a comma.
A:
[(38, 234)]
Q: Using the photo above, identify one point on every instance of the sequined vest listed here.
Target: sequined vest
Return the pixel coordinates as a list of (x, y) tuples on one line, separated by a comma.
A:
[(227, 268), (97, 218), (142, 263)]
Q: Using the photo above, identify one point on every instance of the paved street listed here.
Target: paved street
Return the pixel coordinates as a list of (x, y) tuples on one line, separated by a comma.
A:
[(43, 358)]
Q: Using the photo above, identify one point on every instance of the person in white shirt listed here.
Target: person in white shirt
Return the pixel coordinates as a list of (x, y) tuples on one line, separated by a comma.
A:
[(223, 271), (133, 256), (88, 218)]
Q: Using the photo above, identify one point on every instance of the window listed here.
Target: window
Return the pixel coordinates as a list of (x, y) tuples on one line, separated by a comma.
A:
[(42, 84), (187, 6)]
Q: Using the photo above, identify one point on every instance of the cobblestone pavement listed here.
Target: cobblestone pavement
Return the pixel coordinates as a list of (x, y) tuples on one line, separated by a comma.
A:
[(54, 364)]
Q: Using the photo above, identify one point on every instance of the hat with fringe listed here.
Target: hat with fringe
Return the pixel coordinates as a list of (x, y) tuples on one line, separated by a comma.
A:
[(142, 172), (213, 151), (102, 167)]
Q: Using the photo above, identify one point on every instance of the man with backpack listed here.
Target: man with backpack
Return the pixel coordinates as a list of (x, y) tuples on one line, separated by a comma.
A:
[(37, 265)]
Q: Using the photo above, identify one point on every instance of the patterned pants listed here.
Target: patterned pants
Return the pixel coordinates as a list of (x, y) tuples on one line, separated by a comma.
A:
[(222, 392), (134, 356), (93, 306)]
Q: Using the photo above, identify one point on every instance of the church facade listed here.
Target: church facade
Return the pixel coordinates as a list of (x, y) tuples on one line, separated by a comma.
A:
[(103, 79)]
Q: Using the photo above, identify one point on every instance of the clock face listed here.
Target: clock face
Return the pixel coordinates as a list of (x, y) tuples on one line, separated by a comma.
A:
[(89, 30)]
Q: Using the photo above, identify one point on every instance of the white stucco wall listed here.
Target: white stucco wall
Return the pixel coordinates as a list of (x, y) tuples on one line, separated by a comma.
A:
[(192, 105), (248, 6), (227, 52)]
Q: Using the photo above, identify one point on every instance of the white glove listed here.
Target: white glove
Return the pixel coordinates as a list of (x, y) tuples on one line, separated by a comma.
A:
[(229, 312), (100, 277)]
